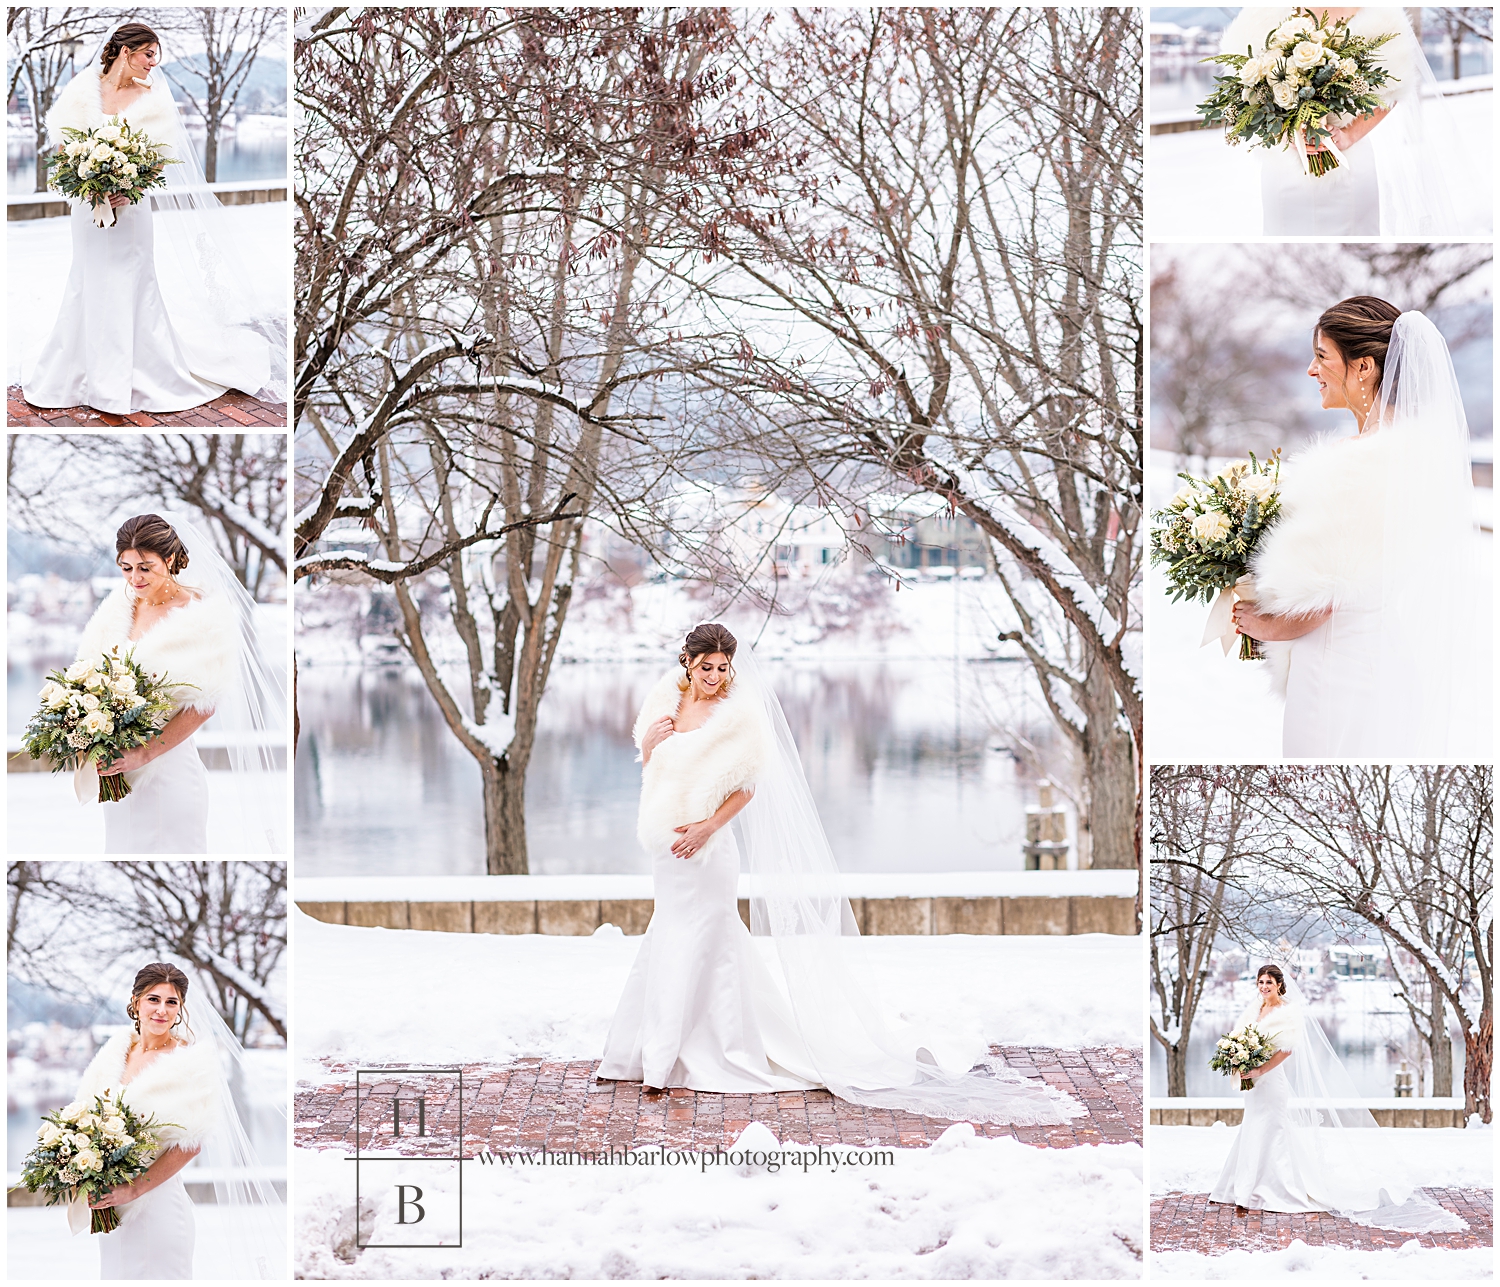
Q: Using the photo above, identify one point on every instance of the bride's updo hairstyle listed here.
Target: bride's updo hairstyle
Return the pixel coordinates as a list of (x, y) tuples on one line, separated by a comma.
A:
[(132, 35), (151, 976), (703, 641), (1360, 326), (152, 534), (1275, 972)]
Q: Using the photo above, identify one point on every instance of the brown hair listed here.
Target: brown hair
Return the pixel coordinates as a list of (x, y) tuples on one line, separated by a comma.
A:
[(152, 534), (1275, 972), (132, 35), (1360, 326), (149, 976), (703, 641)]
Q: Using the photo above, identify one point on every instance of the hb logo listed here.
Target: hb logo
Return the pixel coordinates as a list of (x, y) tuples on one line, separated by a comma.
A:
[(408, 1157)]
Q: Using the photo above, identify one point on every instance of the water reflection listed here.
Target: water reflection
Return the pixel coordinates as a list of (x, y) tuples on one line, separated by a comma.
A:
[(250, 154), (905, 778)]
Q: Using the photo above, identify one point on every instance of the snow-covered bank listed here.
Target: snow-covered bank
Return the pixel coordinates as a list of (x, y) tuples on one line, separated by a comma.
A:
[(1319, 1264), (1187, 1159), (384, 996), (525, 889), (967, 1207)]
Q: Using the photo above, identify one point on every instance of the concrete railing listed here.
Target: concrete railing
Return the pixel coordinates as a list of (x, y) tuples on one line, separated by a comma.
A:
[(247, 192), (982, 903), (1405, 1113)]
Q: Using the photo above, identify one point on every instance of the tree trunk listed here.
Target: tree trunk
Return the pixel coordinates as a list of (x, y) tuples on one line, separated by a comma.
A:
[(1479, 1053), (211, 150), (504, 819), (42, 151), (1458, 45), (1177, 1069), (1441, 1045), (1110, 780)]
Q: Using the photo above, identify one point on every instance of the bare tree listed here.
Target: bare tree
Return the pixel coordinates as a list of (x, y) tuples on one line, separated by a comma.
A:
[(46, 46), (1458, 23), (68, 922), (1408, 851), (1201, 825), (232, 38), (237, 482), (481, 344), (948, 263)]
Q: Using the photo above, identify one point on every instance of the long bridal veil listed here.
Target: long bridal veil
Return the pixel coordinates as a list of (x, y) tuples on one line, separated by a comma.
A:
[(796, 900), (249, 1212), (1357, 1171), (247, 734), (219, 298), (1434, 668)]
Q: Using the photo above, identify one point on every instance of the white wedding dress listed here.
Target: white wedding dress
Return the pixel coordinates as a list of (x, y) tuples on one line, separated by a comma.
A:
[(1303, 1145), (1379, 531), (114, 345), (1403, 178), (702, 1007)]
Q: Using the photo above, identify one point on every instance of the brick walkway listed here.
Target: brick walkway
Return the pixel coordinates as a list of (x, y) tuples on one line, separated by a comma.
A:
[(1190, 1222), (234, 410), (559, 1105)]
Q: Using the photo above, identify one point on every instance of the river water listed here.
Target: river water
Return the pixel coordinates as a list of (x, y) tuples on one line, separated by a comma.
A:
[(907, 776)]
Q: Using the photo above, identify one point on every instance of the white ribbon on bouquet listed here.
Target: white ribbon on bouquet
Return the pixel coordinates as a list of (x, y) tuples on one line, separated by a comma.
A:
[(1220, 623)]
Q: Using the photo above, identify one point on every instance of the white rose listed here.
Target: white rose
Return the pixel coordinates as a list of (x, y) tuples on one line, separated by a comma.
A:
[(78, 671), (123, 685), (1285, 95), (54, 695), (74, 1111), (1253, 72), (49, 1134), (78, 1140), (131, 170), (1258, 485), (1347, 66), (101, 152), (97, 722), (110, 132), (97, 679), (1212, 526), (88, 1160), (1306, 56), (90, 702)]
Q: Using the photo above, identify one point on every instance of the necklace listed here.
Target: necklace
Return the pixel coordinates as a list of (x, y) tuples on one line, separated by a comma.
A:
[(159, 603)]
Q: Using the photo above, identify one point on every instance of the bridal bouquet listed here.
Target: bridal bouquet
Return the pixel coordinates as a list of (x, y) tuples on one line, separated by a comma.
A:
[(1207, 533), (95, 711), (1243, 1049), (110, 159), (85, 1150), (1309, 72)]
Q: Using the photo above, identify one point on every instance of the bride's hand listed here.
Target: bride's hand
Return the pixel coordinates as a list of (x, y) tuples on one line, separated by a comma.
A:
[(657, 734), (117, 200), (116, 1197), (137, 758), (694, 837)]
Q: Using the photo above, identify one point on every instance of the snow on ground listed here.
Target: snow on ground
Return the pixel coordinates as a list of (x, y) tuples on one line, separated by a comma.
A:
[(967, 1207), (46, 818), (1201, 187), (1187, 1159), (1317, 1264), (39, 252), (384, 996), (39, 1247)]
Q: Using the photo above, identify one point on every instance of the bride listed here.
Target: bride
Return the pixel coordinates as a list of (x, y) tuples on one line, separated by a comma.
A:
[(1303, 1143), (116, 346), (1368, 591), (701, 1009), (182, 613), (176, 1070), (1397, 166)]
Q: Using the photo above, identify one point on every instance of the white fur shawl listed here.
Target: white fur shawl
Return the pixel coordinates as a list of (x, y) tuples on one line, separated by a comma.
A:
[(690, 774), (183, 1087), (1400, 55), (196, 644), (79, 107), (1325, 549)]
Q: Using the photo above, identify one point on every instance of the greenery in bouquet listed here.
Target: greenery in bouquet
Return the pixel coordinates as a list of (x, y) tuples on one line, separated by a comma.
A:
[(1236, 1053), (87, 1149), (1207, 533), (109, 160), (1309, 75), (95, 711)]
